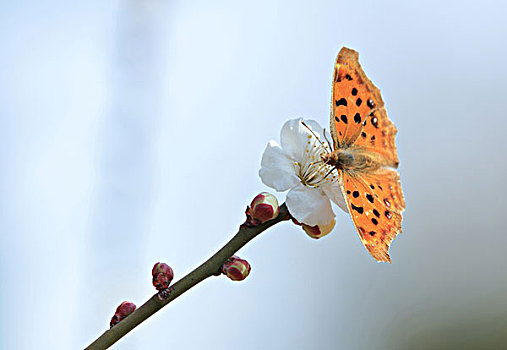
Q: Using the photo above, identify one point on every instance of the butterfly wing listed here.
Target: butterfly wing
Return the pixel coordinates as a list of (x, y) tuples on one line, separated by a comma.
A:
[(348, 107), (375, 203), (359, 120), (358, 115)]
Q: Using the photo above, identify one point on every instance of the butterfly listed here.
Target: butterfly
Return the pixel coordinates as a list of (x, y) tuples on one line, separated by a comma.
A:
[(364, 155)]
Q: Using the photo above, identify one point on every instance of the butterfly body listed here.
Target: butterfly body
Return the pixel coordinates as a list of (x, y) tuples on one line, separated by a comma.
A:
[(353, 159), (365, 157)]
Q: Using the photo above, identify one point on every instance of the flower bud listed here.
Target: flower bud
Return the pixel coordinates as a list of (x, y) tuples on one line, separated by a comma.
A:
[(236, 269), (264, 207), (122, 311), (162, 276), (318, 231)]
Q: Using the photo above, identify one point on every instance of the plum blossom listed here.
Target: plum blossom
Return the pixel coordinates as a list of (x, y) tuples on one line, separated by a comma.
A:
[(296, 165)]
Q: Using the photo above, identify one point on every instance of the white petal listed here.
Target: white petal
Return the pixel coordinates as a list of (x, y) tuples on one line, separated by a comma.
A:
[(294, 137), (334, 192), (277, 169), (309, 205)]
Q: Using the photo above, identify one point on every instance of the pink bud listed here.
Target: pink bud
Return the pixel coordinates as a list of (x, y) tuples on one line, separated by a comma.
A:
[(318, 231), (162, 276), (236, 269), (122, 311), (264, 207)]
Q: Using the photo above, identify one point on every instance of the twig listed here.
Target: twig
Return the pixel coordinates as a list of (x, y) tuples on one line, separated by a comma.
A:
[(209, 268)]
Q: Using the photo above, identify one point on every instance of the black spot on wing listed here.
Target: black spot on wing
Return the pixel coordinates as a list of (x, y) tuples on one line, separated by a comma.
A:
[(360, 210), (374, 121), (340, 102)]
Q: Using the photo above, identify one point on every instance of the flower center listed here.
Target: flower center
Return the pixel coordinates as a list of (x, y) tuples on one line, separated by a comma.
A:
[(312, 171)]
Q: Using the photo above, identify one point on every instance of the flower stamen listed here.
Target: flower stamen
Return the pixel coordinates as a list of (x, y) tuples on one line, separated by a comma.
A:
[(314, 173)]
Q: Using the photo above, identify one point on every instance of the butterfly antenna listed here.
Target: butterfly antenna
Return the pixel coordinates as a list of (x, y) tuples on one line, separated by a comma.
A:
[(325, 138), (313, 133)]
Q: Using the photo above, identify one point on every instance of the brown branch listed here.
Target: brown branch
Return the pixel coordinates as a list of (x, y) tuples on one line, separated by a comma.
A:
[(209, 268)]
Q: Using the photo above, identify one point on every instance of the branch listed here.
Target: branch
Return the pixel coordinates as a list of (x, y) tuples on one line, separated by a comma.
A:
[(209, 268)]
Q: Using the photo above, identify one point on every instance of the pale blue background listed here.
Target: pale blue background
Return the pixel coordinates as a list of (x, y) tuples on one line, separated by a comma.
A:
[(132, 132)]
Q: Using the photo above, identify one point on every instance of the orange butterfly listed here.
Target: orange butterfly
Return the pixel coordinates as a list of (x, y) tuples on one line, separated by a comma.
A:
[(365, 156)]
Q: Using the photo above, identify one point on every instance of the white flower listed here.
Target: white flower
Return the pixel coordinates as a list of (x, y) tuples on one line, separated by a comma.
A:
[(297, 166)]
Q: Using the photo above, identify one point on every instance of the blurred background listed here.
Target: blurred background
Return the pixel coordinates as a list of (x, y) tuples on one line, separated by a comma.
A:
[(131, 132)]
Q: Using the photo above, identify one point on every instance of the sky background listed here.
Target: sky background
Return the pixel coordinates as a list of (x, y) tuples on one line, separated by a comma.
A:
[(131, 132)]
